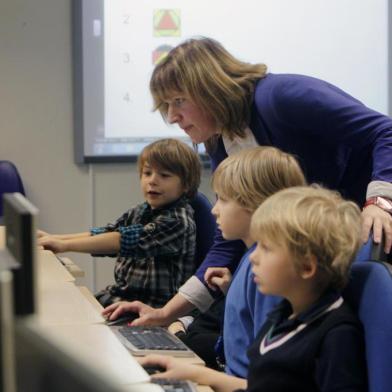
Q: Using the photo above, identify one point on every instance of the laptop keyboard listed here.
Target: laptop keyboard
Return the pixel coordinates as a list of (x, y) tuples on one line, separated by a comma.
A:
[(152, 338), (172, 385)]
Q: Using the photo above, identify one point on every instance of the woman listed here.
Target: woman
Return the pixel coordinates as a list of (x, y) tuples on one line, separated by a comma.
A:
[(230, 105)]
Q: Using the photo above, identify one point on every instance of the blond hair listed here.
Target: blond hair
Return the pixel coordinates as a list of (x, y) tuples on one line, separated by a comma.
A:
[(312, 221), (251, 175), (220, 84), (175, 157)]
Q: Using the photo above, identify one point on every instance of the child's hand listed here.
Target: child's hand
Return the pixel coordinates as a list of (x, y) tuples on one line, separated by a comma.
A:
[(51, 243), (218, 277), (175, 367), (41, 233), (176, 326)]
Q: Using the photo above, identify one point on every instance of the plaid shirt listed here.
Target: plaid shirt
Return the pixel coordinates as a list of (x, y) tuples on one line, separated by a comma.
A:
[(157, 250)]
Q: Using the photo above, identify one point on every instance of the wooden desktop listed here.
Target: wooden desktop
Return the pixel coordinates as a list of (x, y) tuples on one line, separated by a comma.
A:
[(72, 315)]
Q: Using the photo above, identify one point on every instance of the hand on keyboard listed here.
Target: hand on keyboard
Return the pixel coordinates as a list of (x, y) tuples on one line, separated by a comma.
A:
[(154, 369), (172, 385), (117, 309), (123, 319), (173, 367)]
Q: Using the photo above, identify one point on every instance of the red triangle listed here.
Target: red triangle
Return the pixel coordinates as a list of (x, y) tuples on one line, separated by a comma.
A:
[(167, 22)]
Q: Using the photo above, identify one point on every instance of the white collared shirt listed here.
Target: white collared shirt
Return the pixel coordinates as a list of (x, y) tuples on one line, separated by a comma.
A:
[(239, 143)]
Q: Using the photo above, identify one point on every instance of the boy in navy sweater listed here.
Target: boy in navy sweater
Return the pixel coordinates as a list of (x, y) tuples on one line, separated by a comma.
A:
[(312, 341)]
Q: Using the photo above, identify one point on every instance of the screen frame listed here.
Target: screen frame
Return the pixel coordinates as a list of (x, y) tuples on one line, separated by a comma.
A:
[(88, 91), (7, 351), (20, 224), (95, 99), (42, 363)]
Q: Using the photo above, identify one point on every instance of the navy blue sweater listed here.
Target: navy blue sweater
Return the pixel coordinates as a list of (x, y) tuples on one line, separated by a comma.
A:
[(328, 355), (338, 141)]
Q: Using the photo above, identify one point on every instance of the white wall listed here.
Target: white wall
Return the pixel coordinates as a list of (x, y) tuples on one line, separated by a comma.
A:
[(36, 127), (36, 110)]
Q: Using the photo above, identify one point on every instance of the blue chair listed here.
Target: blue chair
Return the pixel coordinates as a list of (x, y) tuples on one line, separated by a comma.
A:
[(205, 226), (10, 181), (369, 293), (371, 251)]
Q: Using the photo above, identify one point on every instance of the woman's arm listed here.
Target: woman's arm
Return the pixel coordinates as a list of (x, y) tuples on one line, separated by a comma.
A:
[(325, 115)]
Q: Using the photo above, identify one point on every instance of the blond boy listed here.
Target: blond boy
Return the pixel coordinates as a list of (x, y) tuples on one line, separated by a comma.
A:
[(241, 182), (306, 240)]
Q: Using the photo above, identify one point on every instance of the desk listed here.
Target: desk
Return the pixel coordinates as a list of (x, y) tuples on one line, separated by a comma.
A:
[(70, 315), (50, 270), (96, 344), (196, 360), (74, 271), (2, 237), (72, 268), (73, 322)]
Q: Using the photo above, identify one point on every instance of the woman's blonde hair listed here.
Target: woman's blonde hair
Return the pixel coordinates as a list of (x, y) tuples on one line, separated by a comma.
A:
[(176, 157), (220, 84), (251, 175), (312, 221)]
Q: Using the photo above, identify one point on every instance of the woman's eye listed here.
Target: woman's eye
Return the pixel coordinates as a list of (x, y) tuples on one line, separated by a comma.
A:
[(179, 101), (146, 173)]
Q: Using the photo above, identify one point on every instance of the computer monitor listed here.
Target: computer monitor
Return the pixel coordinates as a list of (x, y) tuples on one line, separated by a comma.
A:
[(7, 357), (20, 253), (42, 364)]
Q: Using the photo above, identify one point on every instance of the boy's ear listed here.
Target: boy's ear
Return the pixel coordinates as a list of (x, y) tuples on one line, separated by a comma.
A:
[(309, 268)]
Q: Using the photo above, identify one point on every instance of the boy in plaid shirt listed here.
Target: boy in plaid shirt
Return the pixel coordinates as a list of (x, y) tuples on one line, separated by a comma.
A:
[(154, 241)]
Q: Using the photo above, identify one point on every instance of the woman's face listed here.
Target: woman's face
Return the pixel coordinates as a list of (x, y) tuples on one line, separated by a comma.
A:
[(196, 123)]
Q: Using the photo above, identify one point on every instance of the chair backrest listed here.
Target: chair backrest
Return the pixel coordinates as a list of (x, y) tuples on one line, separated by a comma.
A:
[(205, 225), (370, 251), (369, 293), (10, 181)]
